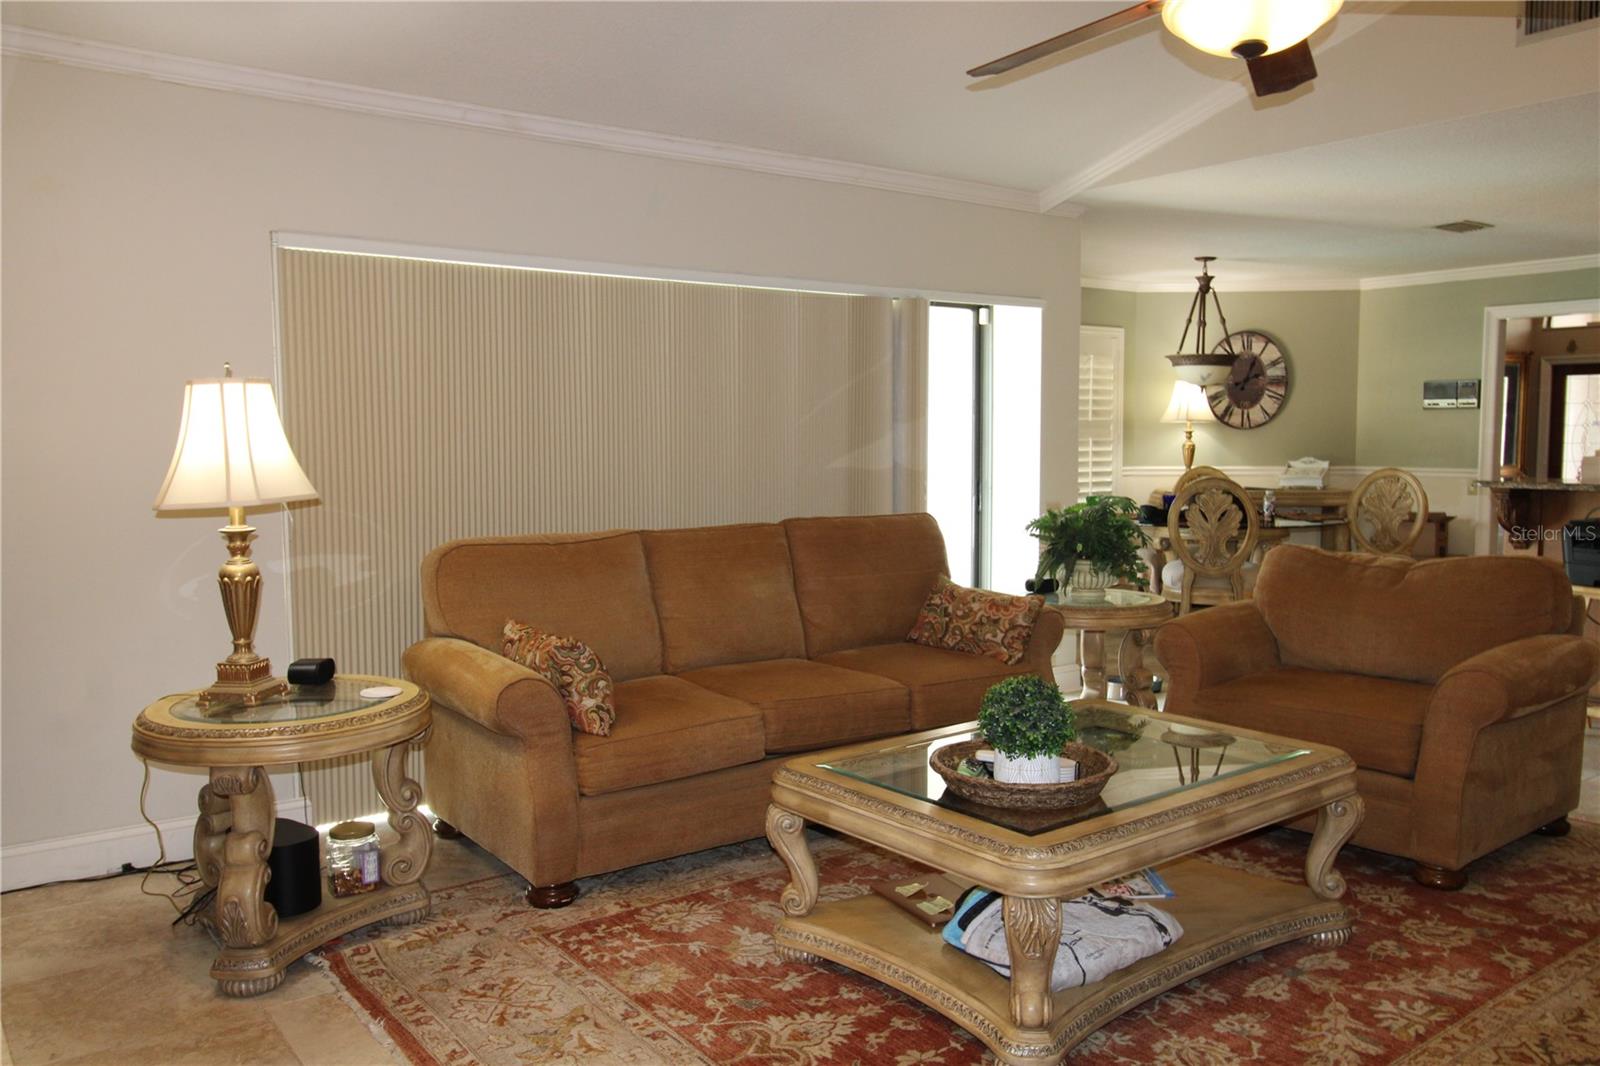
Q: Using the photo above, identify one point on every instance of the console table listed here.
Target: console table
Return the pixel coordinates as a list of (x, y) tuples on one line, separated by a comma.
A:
[(233, 836)]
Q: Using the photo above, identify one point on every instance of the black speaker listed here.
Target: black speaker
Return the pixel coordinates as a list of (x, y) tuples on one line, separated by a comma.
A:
[(310, 672), (295, 886)]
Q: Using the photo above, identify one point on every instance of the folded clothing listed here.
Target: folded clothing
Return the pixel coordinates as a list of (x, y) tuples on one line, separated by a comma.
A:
[(1098, 936)]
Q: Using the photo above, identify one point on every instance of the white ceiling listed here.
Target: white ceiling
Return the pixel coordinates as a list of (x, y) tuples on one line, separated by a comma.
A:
[(1424, 112)]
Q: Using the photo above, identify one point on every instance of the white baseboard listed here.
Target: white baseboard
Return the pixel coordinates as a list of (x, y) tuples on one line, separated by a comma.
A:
[(88, 854)]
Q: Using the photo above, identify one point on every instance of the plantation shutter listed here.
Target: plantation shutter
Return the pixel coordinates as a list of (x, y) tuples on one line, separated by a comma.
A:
[(1099, 411)]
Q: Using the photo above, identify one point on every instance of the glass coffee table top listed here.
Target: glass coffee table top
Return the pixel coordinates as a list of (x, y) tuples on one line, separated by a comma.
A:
[(1156, 757)]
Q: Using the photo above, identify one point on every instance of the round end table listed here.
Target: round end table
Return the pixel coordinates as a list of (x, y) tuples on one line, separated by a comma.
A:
[(233, 836), (1137, 614)]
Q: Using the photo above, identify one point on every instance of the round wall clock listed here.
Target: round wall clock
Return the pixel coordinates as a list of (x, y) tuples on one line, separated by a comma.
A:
[(1257, 385)]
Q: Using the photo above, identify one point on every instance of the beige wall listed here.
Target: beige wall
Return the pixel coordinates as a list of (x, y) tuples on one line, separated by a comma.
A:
[(137, 222), (1420, 332)]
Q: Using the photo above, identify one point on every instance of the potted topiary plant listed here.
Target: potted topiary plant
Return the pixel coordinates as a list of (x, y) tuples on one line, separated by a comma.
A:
[(1026, 720), (1090, 546)]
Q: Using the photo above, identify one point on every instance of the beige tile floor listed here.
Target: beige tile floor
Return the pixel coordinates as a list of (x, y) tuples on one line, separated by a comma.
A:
[(93, 973)]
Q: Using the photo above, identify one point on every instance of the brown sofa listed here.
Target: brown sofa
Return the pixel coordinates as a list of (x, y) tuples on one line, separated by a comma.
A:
[(1454, 684), (731, 647)]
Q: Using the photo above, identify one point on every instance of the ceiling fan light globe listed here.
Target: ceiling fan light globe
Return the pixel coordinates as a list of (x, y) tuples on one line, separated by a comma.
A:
[(1222, 26)]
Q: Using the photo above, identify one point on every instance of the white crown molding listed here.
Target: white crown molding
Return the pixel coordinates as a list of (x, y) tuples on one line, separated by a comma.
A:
[(94, 55), (1226, 287), (1480, 273), (1391, 281)]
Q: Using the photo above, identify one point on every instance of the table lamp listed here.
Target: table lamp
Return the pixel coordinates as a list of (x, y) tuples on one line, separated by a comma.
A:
[(232, 453), (1187, 406)]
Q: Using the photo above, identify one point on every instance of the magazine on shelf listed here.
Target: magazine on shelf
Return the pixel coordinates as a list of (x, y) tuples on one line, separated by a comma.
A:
[(1146, 884)]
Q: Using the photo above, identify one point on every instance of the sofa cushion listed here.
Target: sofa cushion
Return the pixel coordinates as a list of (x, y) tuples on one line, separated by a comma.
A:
[(591, 586), (725, 594), (861, 581), (807, 705), (666, 729), (946, 686), (1401, 618), (1376, 720), (573, 668), (976, 621)]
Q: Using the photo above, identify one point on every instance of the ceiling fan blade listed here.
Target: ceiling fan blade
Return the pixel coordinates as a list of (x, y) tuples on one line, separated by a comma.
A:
[(1087, 32), (1282, 71)]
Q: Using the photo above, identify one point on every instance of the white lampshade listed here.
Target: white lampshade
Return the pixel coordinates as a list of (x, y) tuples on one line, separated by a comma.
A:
[(1218, 26), (231, 450), (1188, 404)]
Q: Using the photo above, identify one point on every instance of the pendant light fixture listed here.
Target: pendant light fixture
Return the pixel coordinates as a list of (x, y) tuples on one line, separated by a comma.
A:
[(1202, 367)]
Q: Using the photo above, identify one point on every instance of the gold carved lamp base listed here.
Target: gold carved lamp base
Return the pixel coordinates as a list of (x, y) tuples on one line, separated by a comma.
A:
[(243, 677), (247, 683)]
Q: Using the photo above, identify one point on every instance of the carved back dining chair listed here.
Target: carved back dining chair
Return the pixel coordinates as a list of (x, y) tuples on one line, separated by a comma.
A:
[(1194, 473), (1388, 511), (1215, 549)]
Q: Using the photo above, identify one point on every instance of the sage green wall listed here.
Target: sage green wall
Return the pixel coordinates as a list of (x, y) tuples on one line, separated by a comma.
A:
[(1318, 330), (1421, 332)]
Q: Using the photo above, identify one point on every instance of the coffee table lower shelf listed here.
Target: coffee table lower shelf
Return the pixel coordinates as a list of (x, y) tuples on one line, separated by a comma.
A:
[(1225, 915)]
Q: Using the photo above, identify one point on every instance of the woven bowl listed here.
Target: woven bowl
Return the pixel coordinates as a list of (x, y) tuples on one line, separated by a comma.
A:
[(1095, 768)]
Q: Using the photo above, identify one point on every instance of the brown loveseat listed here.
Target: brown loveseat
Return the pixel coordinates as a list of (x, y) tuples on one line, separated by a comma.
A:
[(1453, 683), (731, 647)]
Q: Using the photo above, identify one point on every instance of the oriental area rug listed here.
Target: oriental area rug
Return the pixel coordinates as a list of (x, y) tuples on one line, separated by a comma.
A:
[(673, 963)]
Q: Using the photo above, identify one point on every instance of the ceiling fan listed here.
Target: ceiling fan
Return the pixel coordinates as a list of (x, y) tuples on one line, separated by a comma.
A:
[(1269, 35)]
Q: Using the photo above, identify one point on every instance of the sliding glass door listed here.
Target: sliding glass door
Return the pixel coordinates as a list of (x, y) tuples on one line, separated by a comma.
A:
[(983, 439)]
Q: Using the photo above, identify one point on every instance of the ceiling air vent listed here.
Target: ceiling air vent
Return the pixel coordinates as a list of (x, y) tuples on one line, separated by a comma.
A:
[(1542, 16), (1466, 225)]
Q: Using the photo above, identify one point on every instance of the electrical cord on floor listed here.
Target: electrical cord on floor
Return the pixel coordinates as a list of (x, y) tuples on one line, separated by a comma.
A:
[(184, 870)]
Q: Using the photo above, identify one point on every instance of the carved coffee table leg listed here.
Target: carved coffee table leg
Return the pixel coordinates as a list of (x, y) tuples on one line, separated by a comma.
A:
[(243, 917), (403, 861), (1092, 645), (1130, 664), (1033, 931), (1336, 823), (786, 831)]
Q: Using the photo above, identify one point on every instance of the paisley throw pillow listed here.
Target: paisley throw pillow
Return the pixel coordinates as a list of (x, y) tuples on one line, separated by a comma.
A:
[(976, 621), (572, 667)]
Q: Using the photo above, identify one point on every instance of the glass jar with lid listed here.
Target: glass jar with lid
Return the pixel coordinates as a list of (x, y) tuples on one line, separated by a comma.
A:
[(353, 858)]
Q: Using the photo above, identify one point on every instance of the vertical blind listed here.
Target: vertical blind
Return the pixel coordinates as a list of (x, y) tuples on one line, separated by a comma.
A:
[(432, 400)]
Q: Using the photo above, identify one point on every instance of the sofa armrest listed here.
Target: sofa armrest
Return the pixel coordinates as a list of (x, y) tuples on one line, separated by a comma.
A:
[(1212, 646), (1048, 630), (1512, 680), (501, 695), (1502, 747)]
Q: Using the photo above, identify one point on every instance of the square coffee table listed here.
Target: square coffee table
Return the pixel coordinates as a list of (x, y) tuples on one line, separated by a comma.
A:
[(1181, 785)]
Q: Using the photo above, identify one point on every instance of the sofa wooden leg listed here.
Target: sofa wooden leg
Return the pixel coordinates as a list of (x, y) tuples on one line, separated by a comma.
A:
[(446, 831), (1558, 828), (1438, 877), (548, 897)]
